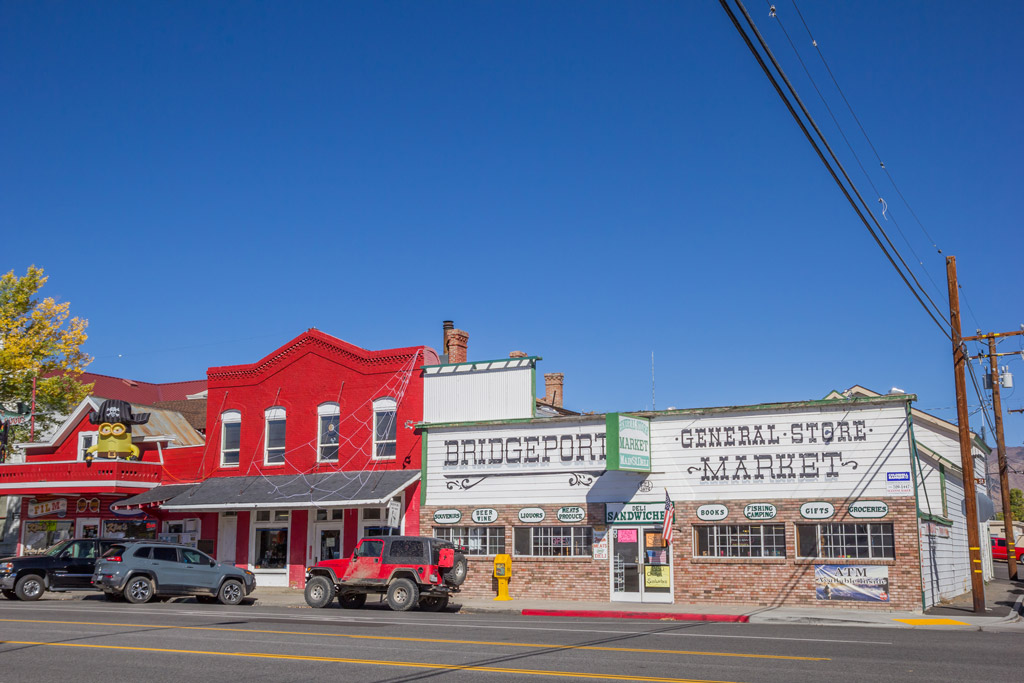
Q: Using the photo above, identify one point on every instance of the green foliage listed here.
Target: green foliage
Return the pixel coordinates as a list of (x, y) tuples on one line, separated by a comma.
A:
[(39, 340)]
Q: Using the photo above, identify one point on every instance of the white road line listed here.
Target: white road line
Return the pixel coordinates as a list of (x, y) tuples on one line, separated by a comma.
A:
[(346, 619)]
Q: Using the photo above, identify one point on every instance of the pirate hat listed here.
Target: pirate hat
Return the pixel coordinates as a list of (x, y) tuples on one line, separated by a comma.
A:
[(117, 411)]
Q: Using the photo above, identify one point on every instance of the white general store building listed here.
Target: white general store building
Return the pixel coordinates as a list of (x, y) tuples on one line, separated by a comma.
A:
[(854, 499)]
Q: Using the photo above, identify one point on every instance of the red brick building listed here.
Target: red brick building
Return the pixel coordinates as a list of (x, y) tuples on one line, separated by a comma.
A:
[(305, 450)]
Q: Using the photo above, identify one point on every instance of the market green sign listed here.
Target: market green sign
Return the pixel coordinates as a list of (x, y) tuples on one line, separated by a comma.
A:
[(629, 443)]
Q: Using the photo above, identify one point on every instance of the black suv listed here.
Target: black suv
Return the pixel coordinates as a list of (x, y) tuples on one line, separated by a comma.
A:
[(67, 566)]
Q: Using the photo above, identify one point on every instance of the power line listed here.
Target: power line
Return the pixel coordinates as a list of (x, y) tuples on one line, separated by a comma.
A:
[(881, 163), (774, 14), (817, 149)]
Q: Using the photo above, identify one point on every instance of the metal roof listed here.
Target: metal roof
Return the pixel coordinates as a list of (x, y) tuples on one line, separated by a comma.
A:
[(333, 489), (164, 423), (155, 495)]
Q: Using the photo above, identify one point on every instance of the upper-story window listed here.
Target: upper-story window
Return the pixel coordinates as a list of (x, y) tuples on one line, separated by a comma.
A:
[(273, 452), (230, 437), (328, 418), (385, 428), (85, 441)]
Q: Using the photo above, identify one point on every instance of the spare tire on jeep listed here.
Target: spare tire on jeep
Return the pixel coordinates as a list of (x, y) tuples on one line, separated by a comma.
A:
[(456, 575)]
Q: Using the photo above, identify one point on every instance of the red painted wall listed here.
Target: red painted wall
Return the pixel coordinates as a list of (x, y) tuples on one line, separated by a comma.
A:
[(297, 549), (242, 540), (312, 369)]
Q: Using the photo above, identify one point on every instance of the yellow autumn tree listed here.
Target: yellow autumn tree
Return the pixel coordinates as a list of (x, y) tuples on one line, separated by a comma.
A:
[(39, 340)]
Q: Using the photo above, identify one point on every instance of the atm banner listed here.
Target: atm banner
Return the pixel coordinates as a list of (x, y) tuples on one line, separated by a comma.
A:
[(863, 583)]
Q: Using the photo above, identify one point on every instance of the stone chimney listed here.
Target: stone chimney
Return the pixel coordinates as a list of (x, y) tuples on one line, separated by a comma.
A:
[(553, 382), (456, 343), (517, 354)]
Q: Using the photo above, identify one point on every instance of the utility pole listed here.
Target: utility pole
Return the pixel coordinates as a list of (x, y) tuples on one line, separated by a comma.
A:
[(1004, 482), (966, 458)]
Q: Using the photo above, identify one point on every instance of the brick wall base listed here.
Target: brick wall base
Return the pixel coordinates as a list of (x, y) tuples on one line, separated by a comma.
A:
[(767, 582)]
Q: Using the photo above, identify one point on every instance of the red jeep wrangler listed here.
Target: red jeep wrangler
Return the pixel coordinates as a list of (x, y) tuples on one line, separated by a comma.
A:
[(409, 570)]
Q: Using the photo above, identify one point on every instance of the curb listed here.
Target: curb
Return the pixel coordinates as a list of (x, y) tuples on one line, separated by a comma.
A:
[(656, 616)]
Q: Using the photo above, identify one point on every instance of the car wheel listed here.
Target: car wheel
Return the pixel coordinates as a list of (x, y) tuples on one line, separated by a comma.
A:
[(319, 592), (9, 594), (29, 587), (434, 603), (138, 590), (402, 595), (352, 600), (456, 576), (231, 592)]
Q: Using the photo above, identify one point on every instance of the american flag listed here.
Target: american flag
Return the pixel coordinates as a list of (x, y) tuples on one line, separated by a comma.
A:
[(670, 520)]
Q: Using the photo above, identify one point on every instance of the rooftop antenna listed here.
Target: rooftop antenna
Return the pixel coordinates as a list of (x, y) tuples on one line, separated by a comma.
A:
[(654, 404)]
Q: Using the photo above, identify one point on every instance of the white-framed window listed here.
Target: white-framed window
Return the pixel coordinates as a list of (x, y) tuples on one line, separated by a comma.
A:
[(553, 541), (740, 540), (328, 419), (86, 440), (270, 539), (845, 541), (374, 521), (230, 437), (385, 428), (273, 449), (477, 540)]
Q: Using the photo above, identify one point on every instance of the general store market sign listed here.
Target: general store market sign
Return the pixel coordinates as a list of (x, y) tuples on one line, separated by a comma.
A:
[(629, 443)]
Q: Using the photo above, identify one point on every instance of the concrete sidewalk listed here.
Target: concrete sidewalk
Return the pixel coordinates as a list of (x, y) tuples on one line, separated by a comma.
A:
[(836, 616)]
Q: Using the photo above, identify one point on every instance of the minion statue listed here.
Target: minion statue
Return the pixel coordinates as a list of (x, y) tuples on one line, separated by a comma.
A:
[(114, 441)]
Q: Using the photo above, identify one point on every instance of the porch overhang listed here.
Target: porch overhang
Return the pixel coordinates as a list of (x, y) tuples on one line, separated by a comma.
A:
[(335, 489)]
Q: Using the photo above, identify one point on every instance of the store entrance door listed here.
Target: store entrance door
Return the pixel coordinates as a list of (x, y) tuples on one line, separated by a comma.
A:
[(327, 542), (641, 565)]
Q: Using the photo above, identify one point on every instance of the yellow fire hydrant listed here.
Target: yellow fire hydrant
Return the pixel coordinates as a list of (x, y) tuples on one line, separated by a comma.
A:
[(502, 572)]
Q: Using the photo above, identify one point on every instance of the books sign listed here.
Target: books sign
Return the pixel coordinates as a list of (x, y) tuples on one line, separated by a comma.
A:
[(712, 513)]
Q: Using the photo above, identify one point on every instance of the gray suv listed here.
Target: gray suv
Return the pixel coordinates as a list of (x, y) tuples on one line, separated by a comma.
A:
[(140, 570)]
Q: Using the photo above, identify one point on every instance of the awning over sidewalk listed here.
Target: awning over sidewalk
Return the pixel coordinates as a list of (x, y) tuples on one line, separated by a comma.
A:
[(152, 497), (333, 489)]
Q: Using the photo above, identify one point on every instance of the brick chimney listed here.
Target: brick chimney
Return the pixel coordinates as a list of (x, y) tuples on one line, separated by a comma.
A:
[(517, 354), (553, 382), (456, 343)]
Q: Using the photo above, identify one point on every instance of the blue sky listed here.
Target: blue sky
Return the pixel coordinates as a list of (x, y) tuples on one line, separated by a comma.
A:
[(591, 182)]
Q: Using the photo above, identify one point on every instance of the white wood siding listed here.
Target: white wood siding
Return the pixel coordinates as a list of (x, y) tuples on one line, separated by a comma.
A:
[(458, 393), (860, 466)]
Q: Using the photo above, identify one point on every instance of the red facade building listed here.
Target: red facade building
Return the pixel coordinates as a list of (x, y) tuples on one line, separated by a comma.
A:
[(305, 450)]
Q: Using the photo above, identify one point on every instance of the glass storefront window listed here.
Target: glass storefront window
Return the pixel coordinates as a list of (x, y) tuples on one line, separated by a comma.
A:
[(40, 534), (123, 528), (271, 548)]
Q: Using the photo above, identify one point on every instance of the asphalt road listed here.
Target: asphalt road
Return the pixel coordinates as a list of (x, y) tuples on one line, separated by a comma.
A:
[(93, 640)]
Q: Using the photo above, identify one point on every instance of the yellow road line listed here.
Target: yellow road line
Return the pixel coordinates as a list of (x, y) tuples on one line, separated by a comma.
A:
[(933, 622), (426, 640), (374, 662)]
